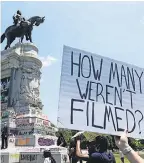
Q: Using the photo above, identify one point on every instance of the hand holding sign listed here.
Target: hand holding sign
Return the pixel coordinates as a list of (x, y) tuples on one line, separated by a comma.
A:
[(78, 136), (122, 141)]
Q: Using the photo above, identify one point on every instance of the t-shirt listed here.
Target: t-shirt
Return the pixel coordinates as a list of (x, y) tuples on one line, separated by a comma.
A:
[(47, 160), (105, 157), (61, 140)]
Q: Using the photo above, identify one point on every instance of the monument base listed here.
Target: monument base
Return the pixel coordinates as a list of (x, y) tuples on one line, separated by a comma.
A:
[(33, 155)]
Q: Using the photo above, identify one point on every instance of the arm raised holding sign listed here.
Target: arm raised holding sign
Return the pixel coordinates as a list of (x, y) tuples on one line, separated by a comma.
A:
[(98, 151), (122, 144)]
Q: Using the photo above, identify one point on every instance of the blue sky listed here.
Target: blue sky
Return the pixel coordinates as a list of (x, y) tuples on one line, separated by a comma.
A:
[(112, 29)]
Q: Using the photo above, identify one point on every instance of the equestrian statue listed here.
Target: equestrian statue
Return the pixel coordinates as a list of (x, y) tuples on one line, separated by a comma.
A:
[(21, 28)]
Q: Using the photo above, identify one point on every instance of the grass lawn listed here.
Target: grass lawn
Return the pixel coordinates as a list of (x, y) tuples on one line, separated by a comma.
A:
[(117, 157)]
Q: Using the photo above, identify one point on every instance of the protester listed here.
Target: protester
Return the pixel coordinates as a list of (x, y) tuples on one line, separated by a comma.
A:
[(121, 156), (122, 144), (72, 152), (4, 137), (48, 157), (97, 153), (61, 141)]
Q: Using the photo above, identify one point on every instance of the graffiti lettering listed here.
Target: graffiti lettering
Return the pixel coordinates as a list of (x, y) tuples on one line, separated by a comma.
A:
[(3, 106), (29, 132), (45, 142), (16, 156), (2, 159), (11, 140), (28, 157), (22, 121), (25, 125), (64, 158), (45, 122)]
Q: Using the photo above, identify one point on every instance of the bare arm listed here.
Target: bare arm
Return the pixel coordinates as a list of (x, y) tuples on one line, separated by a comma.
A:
[(78, 151), (122, 144), (133, 157)]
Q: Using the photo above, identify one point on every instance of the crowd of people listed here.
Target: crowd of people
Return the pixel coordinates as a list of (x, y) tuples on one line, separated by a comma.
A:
[(98, 151)]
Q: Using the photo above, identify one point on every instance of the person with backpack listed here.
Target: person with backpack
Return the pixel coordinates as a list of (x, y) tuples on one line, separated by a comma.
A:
[(98, 152)]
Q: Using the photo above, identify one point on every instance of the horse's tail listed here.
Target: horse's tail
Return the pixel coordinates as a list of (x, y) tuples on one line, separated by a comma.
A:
[(2, 37)]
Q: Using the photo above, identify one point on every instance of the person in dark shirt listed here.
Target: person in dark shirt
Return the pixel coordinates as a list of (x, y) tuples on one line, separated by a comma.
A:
[(48, 157), (61, 141), (4, 137), (72, 152), (98, 153)]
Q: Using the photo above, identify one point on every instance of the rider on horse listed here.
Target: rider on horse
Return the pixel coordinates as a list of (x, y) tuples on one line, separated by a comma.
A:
[(18, 18)]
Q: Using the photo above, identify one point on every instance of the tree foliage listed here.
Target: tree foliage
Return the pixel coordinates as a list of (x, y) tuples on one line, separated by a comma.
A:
[(90, 136)]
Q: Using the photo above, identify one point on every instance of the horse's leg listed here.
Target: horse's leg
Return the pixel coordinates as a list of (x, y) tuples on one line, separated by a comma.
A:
[(30, 37), (9, 41), (22, 37), (27, 38), (6, 47)]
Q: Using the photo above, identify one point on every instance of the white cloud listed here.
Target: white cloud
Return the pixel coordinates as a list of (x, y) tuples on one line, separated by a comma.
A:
[(47, 61)]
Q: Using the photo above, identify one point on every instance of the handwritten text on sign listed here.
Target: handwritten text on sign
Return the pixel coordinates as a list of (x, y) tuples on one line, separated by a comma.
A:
[(100, 94)]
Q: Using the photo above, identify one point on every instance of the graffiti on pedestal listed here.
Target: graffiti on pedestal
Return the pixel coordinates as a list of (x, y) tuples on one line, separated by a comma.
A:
[(5, 82), (22, 121), (26, 132), (28, 157), (23, 141), (2, 158), (45, 142), (64, 158), (3, 106), (4, 114)]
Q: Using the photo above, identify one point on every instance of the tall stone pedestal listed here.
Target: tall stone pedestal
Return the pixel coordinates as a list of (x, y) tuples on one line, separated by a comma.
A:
[(21, 104)]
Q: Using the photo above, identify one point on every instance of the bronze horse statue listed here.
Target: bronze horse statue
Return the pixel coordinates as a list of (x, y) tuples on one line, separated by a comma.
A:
[(24, 29)]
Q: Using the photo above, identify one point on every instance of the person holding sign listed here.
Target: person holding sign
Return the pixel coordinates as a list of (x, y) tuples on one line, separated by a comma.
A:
[(98, 152), (4, 136), (122, 144)]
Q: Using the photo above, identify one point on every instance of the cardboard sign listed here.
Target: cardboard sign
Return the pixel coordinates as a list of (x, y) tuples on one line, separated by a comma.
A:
[(100, 94)]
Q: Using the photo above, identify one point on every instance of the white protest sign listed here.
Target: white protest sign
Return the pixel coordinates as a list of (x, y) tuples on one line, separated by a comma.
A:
[(99, 94)]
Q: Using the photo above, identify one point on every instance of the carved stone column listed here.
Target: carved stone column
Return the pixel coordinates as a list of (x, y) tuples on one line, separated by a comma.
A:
[(21, 76)]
